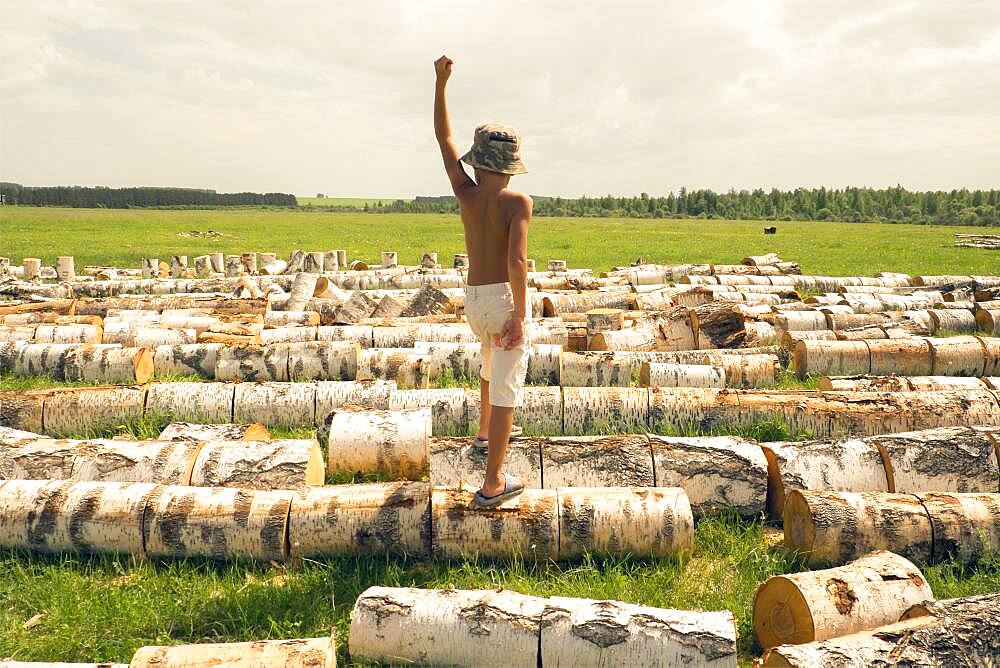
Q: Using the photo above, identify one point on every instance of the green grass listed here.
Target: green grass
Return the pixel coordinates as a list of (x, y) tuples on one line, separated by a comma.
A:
[(103, 236)]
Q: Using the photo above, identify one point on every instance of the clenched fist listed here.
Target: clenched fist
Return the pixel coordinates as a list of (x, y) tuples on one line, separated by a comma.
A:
[(442, 67)]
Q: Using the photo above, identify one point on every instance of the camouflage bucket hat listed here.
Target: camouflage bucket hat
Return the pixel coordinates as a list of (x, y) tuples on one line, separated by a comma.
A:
[(496, 148)]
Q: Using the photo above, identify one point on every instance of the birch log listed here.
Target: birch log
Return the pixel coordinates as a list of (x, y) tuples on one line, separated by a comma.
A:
[(22, 410), (618, 521), (40, 359), (178, 265), (988, 321), (406, 368), (581, 632), (217, 522), (333, 394), (295, 262), (950, 459), (830, 465), (339, 520), (526, 526), (449, 407), (297, 653), (955, 632), (965, 527), (69, 334), (360, 333), (323, 360), (957, 356), (831, 358), (992, 347), (252, 363), (187, 431), (596, 461), (191, 402), (954, 319), (587, 410), (446, 627), (58, 516), (312, 263), (275, 404), (123, 366), (202, 266), (78, 410), (905, 357), (455, 462), (867, 593), (832, 528), (198, 359), (681, 375), (641, 336), (279, 464), (393, 443), (716, 473), (249, 262), (32, 267)]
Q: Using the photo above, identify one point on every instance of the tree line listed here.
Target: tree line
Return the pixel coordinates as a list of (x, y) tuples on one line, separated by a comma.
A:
[(126, 198), (886, 205)]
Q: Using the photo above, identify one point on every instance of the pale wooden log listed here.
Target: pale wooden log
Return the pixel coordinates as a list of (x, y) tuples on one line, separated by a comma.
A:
[(389, 307), (349, 520), (290, 317), (32, 267), (65, 268), (153, 337), (312, 262), (10, 436), (287, 335), (554, 304), (234, 266), (406, 368), (356, 308), (482, 627), (951, 459), (303, 288), (393, 443), (956, 632), (642, 336), (449, 407), (360, 333), (653, 522), (40, 359), (609, 633), (683, 407), (249, 262), (187, 359), (187, 431), (124, 366), (429, 260), (275, 404), (988, 321), (218, 261), (406, 336), (454, 462), (272, 268), (428, 300), (358, 265), (948, 383), (264, 258), (596, 461), (69, 334), (954, 319), (252, 363), (99, 461), (191, 402), (229, 339), (681, 375), (831, 357), (992, 347), (296, 261), (834, 465), (718, 325), (82, 409), (323, 360), (389, 259), (591, 410), (907, 357), (217, 522), (676, 330), (4, 266), (279, 464), (65, 306), (867, 593), (604, 320), (717, 473), (62, 516), (22, 410), (330, 262), (303, 652), (202, 266), (965, 527), (178, 265), (333, 394), (832, 528), (526, 526), (957, 356)]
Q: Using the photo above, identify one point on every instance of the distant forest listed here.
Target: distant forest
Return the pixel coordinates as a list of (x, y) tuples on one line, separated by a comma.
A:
[(126, 198), (888, 205)]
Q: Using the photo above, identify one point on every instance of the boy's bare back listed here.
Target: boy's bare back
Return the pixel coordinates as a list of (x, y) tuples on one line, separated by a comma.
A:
[(486, 218)]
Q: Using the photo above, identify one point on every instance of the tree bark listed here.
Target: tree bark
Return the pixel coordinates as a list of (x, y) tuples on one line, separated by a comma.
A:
[(406, 368), (298, 653), (867, 593), (393, 443), (281, 464), (590, 410), (428, 300), (988, 320), (360, 333), (191, 402), (198, 359), (323, 360), (681, 375), (904, 357), (285, 335), (831, 358), (596, 461), (252, 363), (449, 407), (951, 459), (79, 410), (957, 356), (454, 462), (124, 366), (187, 431), (69, 334), (965, 526), (275, 404), (333, 394)]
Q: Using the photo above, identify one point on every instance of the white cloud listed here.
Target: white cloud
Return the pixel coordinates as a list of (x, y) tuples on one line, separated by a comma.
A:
[(619, 97)]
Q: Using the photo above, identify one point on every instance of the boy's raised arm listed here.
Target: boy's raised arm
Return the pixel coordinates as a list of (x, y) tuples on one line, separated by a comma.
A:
[(442, 128)]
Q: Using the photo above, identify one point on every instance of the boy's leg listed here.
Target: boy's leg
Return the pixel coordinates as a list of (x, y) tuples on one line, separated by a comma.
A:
[(499, 434), (484, 409)]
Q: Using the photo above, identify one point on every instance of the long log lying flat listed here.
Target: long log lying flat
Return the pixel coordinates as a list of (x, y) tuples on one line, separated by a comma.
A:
[(954, 356), (505, 628), (311, 652)]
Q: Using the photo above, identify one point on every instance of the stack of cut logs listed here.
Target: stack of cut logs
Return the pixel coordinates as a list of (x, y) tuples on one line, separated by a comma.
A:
[(903, 469), (990, 241)]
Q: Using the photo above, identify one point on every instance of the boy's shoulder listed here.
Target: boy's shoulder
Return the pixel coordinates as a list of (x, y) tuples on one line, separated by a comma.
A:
[(514, 198)]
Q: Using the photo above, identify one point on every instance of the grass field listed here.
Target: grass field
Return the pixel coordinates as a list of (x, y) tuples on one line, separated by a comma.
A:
[(99, 236), (102, 608)]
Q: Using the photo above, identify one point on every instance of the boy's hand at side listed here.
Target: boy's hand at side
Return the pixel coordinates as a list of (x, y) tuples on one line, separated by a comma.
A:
[(512, 334), (442, 67)]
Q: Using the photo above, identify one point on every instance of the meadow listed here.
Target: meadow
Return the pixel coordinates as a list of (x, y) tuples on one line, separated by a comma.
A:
[(107, 236), (101, 608)]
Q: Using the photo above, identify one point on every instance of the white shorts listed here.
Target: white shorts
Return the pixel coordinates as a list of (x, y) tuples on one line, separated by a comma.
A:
[(488, 307)]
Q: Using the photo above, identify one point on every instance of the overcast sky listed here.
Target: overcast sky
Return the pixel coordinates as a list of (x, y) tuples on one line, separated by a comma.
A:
[(611, 97)]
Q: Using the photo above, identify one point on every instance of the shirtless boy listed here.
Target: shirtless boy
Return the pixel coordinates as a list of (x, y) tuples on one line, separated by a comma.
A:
[(496, 238)]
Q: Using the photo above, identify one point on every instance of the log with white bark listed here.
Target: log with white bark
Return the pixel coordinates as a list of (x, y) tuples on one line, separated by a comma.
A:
[(62, 306), (957, 356), (313, 262), (272, 268), (360, 333), (867, 593), (124, 366), (648, 522), (583, 369), (252, 363), (249, 262), (38, 359), (595, 461), (279, 335), (197, 359), (78, 410), (988, 320), (681, 375), (428, 300), (393, 443), (221, 305), (279, 464), (905, 357), (275, 404), (991, 344), (965, 527), (9, 436), (293, 653), (455, 461), (954, 632), (554, 303), (449, 407), (389, 307), (405, 336), (323, 360), (899, 383), (295, 262), (188, 431), (355, 309), (589, 410), (192, 402), (333, 394), (349, 520), (604, 320), (289, 317), (832, 528), (32, 267), (217, 522), (954, 319), (63, 516), (402, 365), (526, 526), (832, 465), (69, 334), (949, 459), (831, 357), (717, 473)]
